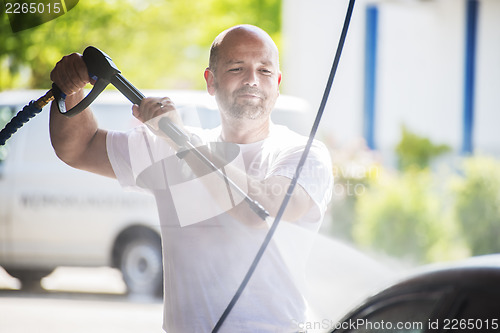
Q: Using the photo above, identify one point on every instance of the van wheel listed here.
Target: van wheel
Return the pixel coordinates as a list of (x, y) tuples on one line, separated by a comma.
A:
[(29, 278), (141, 266)]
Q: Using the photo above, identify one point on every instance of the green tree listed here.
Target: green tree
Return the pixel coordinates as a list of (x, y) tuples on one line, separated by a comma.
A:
[(156, 44), (417, 151)]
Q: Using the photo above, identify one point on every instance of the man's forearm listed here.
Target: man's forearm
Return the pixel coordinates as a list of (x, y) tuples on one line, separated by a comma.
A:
[(78, 141), (269, 193), (70, 136)]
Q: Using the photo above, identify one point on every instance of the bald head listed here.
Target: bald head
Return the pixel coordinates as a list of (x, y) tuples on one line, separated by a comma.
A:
[(236, 33)]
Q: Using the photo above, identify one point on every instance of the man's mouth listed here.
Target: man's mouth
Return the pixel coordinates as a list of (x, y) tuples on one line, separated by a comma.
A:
[(249, 94)]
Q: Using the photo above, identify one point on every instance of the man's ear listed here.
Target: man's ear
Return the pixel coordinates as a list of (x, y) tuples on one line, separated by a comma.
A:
[(279, 78), (209, 78)]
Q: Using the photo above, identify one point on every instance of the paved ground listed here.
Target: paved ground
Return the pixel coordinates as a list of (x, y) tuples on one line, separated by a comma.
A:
[(82, 300), (78, 300)]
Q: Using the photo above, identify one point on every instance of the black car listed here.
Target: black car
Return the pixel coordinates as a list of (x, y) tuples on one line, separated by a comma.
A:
[(462, 297)]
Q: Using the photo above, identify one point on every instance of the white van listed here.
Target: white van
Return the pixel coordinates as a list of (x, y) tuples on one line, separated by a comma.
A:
[(53, 215)]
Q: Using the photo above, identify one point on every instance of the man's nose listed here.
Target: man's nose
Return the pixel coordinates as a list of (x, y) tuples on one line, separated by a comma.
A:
[(251, 78)]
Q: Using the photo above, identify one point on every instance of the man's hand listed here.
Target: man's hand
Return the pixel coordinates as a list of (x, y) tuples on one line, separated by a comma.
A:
[(152, 109), (70, 74)]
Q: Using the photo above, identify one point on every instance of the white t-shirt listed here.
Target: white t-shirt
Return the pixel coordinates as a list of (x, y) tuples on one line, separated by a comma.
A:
[(206, 252)]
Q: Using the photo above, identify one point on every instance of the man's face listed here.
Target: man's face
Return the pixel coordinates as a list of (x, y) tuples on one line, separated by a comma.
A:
[(246, 79)]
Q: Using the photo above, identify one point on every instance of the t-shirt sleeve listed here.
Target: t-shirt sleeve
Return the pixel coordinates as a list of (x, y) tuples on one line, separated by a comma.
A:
[(119, 156), (316, 176), (133, 155)]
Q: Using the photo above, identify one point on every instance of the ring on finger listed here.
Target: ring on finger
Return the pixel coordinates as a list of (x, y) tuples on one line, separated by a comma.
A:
[(161, 105)]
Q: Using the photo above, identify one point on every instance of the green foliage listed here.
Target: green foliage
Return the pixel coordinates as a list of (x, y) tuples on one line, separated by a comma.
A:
[(353, 168), (478, 204), (156, 44), (404, 215), (416, 151), (413, 213), (408, 213)]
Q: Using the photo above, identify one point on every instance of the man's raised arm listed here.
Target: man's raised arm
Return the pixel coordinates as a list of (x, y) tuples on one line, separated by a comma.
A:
[(77, 141)]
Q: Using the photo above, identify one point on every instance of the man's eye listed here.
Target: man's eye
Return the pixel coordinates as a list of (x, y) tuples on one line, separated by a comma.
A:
[(266, 71), (238, 69)]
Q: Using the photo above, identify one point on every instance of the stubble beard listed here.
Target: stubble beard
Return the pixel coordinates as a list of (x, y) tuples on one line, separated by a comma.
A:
[(246, 109)]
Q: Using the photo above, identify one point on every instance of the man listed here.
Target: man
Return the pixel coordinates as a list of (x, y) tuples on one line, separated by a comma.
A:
[(206, 250)]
